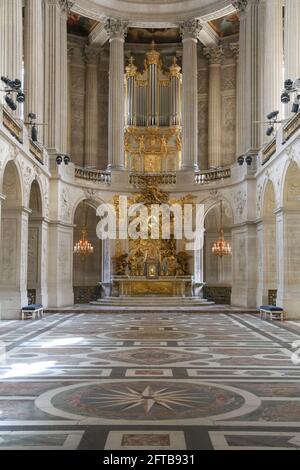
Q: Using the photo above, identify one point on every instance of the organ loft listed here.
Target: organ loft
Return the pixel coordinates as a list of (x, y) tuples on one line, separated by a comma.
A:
[(153, 115)]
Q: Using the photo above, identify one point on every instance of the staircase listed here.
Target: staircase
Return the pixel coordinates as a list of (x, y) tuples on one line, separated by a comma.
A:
[(152, 301)]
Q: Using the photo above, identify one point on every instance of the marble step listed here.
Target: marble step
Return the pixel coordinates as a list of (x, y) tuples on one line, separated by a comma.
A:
[(149, 301)]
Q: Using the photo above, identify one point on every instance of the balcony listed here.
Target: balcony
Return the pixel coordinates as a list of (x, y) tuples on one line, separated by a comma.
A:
[(210, 176), (12, 125), (163, 179), (96, 176)]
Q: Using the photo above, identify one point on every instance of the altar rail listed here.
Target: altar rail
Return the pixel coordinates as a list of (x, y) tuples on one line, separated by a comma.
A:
[(210, 176), (93, 175), (165, 179)]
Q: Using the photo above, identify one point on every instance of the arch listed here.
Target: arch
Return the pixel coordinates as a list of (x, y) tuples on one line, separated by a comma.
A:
[(12, 185), (291, 187), (35, 199), (93, 202), (13, 238), (288, 226), (35, 254), (210, 204), (266, 248), (87, 270), (268, 199), (217, 271)]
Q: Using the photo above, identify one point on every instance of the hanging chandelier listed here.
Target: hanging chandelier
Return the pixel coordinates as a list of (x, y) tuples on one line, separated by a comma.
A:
[(83, 247), (221, 247)]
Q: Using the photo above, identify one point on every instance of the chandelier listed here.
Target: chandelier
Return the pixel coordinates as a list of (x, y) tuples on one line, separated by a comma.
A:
[(221, 247), (83, 247)]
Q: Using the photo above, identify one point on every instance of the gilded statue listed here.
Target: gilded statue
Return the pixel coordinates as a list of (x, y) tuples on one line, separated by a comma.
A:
[(120, 264), (183, 263), (140, 261), (132, 265)]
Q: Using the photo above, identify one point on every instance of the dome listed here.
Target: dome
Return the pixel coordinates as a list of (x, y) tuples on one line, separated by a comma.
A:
[(143, 12)]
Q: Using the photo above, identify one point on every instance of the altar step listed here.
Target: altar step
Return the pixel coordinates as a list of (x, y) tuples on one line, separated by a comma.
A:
[(148, 301)]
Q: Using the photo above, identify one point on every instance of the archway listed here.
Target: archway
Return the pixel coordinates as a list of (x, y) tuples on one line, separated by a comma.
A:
[(287, 229), (266, 250), (217, 270), (13, 261), (36, 267), (87, 269)]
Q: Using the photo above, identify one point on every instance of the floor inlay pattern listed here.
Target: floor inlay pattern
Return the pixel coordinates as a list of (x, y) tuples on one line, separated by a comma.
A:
[(149, 381)]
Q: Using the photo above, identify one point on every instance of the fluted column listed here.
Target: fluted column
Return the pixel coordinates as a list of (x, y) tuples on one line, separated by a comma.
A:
[(234, 46), (292, 39), (11, 39), (273, 56), (56, 101), (190, 31), (215, 57), (69, 144), (65, 9), (116, 29), (249, 74), (91, 108), (34, 61), (103, 91), (241, 6)]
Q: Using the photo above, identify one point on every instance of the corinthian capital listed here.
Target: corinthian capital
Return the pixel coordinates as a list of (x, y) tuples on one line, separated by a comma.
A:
[(66, 5), (240, 5), (91, 55), (214, 54), (116, 28), (190, 28)]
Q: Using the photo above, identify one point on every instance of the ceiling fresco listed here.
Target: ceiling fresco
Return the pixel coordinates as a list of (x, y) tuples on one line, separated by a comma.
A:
[(227, 25)]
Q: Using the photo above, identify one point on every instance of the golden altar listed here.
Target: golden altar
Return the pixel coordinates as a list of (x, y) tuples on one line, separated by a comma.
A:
[(169, 286)]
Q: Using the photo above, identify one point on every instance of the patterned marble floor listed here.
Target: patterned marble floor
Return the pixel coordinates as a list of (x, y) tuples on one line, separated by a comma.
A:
[(149, 381)]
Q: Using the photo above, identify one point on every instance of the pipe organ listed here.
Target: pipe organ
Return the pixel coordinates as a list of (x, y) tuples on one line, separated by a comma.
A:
[(153, 115)]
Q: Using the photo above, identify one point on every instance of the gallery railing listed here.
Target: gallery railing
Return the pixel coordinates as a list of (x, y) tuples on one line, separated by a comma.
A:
[(291, 127), (12, 125), (93, 175), (210, 176), (164, 179)]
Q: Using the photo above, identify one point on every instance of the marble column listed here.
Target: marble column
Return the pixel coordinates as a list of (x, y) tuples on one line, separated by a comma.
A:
[(56, 101), (103, 87), (190, 31), (215, 57), (65, 9), (273, 56), (234, 46), (34, 61), (91, 108), (11, 40), (241, 6), (249, 75), (252, 89), (292, 39), (70, 56), (116, 30)]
